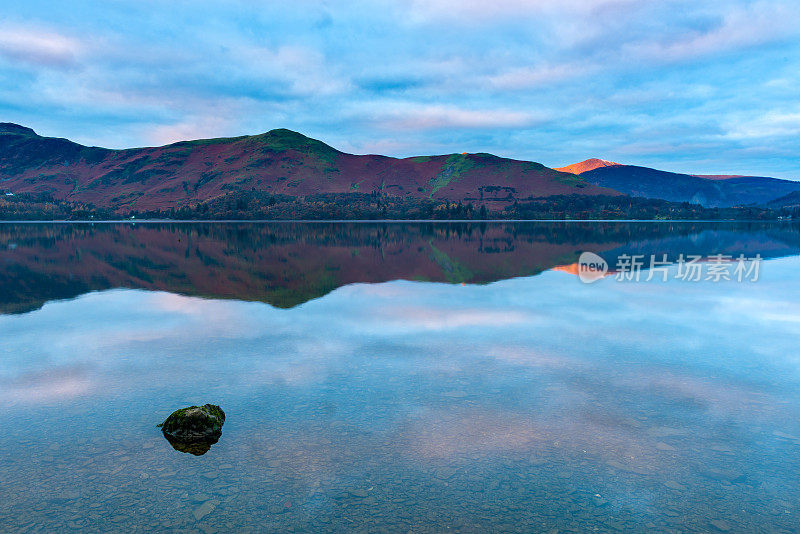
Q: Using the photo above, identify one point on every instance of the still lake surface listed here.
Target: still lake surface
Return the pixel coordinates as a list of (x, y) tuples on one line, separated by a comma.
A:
[(397, 377)]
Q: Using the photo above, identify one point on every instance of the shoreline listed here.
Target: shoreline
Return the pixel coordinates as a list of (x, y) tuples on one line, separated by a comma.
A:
[(383, 221)]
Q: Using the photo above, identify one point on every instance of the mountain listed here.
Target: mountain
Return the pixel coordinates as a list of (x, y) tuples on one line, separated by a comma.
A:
[(285, 174), (278, 162), (792, 200), (716, 192), (586, 165)]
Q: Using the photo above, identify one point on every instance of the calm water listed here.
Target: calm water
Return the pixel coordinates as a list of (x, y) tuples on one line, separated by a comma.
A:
[(397, 378)]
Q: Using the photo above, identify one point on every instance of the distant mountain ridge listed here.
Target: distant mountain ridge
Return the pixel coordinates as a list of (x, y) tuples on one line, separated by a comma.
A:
[(280, 162), (711, 191)]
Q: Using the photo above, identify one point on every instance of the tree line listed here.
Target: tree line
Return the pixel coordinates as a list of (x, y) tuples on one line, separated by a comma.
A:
[(257, 205)]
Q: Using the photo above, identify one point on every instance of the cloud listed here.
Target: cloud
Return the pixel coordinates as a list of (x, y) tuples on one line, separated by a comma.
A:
[(305, 71), (528, 77), (38, 47), (400, 116), (436, 319), (748, 26), (479, 12), (775, 123), (378, 146), (47, 386), (200, 127)]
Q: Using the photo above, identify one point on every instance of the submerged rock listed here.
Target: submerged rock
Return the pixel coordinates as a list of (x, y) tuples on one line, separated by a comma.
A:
[(194, 429), (721, 525), (197, 448), (205, 509)]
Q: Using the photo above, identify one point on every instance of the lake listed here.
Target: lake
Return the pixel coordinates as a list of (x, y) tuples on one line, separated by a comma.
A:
[(396, 377)]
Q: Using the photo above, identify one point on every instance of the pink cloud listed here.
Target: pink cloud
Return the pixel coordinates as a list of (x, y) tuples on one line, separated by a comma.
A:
[(197, 127), (45, 387), (421, 117), (433, 319), (36, 46)]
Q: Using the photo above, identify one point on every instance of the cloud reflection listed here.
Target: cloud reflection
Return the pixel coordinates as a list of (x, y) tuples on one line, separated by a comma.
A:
[(47, 386), (449, 371)]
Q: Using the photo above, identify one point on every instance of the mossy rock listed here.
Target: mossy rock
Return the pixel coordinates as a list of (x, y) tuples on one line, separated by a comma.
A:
[(194, 424)]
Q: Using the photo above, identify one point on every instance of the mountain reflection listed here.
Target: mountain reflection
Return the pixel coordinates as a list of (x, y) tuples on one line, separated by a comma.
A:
[(286, 264)]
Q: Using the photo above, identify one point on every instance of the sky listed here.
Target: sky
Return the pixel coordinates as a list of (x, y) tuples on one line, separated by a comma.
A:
[(701, 87)]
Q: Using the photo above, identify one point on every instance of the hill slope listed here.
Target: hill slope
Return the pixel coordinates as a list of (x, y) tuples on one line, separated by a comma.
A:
[(280, 162), (787, 201), (651, 183)]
